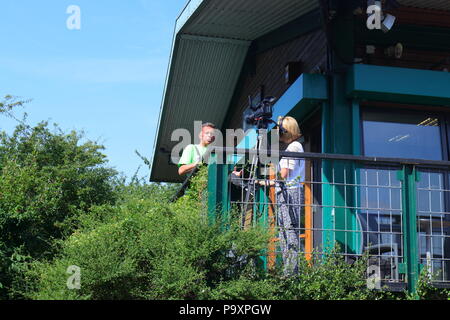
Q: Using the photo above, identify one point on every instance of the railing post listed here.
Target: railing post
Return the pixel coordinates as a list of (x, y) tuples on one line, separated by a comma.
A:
[(218, 198), (328, 212), (408, 177)]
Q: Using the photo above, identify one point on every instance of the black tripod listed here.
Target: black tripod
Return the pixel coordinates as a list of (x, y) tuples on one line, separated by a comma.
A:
[(251, 185)]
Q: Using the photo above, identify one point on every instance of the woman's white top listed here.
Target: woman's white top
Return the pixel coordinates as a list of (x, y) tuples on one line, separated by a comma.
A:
[(296, 174)]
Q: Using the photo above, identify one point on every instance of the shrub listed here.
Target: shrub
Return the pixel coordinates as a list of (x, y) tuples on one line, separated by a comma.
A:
[(147, 248), (48, 179), (426, 290)]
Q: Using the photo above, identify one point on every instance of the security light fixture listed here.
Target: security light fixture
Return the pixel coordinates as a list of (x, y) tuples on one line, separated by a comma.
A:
[(387, 23), (394, 51)]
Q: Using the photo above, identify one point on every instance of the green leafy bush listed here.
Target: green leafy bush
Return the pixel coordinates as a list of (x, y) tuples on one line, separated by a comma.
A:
[(147, 248), (426, 290), (48, 179)]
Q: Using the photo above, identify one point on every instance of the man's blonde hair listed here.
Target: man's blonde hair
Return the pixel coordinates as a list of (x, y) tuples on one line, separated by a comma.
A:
[(292, 129)]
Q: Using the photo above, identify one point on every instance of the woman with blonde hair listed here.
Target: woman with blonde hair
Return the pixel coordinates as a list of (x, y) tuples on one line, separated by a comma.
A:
[(289, 191)]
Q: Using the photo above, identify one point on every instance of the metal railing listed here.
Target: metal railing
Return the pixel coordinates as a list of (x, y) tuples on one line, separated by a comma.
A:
[(397, 211), (433, 222)]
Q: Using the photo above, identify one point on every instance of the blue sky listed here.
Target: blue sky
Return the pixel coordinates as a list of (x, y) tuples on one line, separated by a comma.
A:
[(106, 79)]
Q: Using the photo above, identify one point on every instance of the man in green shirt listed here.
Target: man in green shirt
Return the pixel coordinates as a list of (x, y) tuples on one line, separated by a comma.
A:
[(192, 154)]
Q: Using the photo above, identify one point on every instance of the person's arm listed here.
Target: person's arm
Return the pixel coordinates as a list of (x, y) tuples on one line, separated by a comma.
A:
[(284, 173), (185, 168), (285, 167), (186, 163), (237, 173)]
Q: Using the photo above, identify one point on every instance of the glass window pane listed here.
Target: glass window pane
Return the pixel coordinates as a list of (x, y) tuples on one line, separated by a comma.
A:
[(401, 135)]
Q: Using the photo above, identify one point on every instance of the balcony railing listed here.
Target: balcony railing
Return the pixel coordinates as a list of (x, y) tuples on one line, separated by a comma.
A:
[(395, 210)]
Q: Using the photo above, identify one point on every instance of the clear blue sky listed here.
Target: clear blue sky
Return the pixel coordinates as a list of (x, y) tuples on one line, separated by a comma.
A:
[(106, 79)]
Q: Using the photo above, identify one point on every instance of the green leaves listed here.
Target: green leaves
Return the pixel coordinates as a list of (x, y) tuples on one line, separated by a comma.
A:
[(9, 103), (147, 248), (47, 180)]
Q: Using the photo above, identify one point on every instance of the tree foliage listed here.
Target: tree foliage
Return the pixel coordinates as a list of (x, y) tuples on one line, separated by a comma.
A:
[(10, 103), (48, 179), (147, 248)]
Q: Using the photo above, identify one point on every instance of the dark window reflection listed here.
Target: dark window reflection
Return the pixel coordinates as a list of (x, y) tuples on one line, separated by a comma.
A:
[(401, 135)]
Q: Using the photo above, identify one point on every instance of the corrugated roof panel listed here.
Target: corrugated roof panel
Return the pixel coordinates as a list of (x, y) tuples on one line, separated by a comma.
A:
[(204, 74), (243, 19), (431, 4)]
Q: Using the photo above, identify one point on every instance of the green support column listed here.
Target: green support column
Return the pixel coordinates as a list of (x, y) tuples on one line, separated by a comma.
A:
[(356, 128), (327, 191), (218, 197), (213, 193), (338, 131), (356, 176), (261, 219), (409, 177), (341, 134)]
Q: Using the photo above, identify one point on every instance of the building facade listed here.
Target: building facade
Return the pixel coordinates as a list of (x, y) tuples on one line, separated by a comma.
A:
[(369, 94)]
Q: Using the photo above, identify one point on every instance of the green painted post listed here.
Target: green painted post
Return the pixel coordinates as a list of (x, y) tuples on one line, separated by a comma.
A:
[(218, 197), (261, 219), (356, 176), (356, 128), (327, 192), (212, 190), (341, 134), (408, 177), (338, 137)]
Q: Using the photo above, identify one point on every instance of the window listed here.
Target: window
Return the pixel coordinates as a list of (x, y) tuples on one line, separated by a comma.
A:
[(402, 135), (413, 135)]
